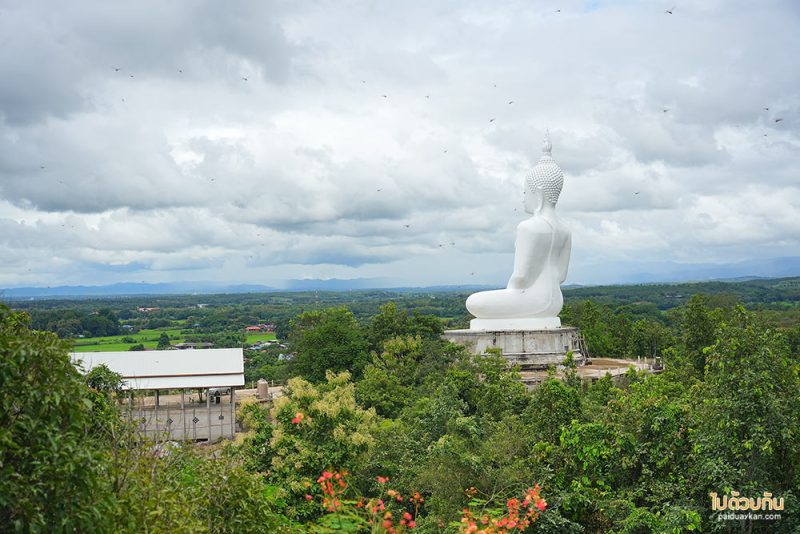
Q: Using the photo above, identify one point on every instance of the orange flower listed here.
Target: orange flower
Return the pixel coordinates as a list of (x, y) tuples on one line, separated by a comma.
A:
[(382, 480), (541, 504), (297, 418)]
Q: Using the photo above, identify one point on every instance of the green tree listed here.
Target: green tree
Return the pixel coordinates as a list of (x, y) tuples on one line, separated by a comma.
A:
[(317, 427), (50, 462), (329, 339), (748, 436), (163, 341), (697, 327)]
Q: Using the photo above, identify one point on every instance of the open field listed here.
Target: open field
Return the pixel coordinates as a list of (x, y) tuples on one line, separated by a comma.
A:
[(147, 337), (255, 338)]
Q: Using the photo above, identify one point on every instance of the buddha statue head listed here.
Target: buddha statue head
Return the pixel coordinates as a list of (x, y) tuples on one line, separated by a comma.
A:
[(544, 182)]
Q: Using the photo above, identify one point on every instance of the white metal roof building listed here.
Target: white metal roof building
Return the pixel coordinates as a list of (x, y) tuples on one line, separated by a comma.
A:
[(170, 369)]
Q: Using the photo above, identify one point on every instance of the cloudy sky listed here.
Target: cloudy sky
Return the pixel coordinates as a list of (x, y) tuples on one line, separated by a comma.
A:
[(253, 142)]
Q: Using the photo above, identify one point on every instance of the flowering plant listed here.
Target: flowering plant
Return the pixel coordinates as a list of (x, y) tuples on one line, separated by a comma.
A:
[(515, 516), (389, 513)]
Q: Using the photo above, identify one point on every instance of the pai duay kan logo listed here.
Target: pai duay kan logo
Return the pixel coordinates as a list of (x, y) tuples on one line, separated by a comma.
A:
[(738, 507)]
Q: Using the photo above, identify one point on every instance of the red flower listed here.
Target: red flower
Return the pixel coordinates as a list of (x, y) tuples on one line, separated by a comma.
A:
[(541, 504), (382, 480), (297, 418), (308, 497)]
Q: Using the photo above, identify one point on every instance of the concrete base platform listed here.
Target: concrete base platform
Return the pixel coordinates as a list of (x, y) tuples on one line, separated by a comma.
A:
[(530, 349)]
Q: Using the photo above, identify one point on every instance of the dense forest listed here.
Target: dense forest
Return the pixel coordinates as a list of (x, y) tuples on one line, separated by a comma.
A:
[(385, 427)]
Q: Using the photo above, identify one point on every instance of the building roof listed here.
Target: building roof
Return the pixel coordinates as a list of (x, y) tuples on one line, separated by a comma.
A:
[(170, 369)]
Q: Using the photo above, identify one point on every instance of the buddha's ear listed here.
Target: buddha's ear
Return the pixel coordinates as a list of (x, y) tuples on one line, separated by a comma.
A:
[(539, 198)]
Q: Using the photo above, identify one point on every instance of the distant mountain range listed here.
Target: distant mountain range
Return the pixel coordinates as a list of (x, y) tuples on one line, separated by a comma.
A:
[(207, 288), (647, 273)]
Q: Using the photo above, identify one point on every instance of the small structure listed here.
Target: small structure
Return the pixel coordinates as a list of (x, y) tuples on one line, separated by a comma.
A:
[(212, 373)]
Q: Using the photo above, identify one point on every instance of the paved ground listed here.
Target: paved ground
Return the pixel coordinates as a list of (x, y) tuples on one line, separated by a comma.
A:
[(598, 368)]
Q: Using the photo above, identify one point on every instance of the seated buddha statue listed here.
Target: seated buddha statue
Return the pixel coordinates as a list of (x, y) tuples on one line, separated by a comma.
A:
[(532, 299)]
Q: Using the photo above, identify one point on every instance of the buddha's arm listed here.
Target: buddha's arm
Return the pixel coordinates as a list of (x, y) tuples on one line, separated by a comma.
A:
[(530, 255), (563, 258)]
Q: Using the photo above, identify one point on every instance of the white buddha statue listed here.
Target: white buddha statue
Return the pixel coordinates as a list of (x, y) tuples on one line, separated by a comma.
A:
[(532, 300)]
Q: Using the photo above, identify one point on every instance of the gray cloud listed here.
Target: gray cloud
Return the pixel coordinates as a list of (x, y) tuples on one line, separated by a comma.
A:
[(379, 141)]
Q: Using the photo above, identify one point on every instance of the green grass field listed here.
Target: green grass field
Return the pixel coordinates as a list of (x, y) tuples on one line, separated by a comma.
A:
[(254, 338), (148, 338)]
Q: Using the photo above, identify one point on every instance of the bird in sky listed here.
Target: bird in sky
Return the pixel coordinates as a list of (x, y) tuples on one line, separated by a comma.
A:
[(778, 120), (510, 102), (385, 96), (766, 109), (407, 225), (665, 110), (379, 190), (245, 79), (445, 151), (117, 69), (669, 11), (491, 120), (180, 70), (427, 96), (636, 193), (41, 166)]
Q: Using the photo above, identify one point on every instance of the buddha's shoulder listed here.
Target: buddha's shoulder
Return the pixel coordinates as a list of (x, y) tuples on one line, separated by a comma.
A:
[(535, 225)]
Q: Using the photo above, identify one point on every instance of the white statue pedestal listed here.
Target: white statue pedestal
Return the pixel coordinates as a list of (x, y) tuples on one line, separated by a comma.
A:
[(531, 349)]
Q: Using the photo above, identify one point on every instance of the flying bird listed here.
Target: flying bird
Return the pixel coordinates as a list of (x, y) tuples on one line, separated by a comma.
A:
[(379, 190), (245, 79), (778, 120), (636, 193), (117, 69), (510, 102), (131, 75), (385, 96), (766, 109), (665, 110), (407, 225), (445, 151), (41, 166), (180, 70), (491, 120), (669, 11), (427, 96)]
